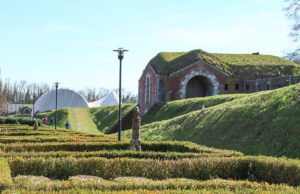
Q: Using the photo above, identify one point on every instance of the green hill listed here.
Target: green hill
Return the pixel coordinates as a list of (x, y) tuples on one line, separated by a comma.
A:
[(82, 120), (164, 111), (94, 120), (265, 123), (105, 117)]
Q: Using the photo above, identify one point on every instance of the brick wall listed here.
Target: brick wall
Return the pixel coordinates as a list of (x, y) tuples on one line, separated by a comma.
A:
[(148, 72), (177, 81), (222, 83)]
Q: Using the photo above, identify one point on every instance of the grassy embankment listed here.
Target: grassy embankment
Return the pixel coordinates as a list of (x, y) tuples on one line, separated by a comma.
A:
[(94, 120), (260, 123)]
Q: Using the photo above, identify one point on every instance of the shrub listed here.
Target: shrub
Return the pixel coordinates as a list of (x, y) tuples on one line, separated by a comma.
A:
[(95, 146), (5, 178), (258, 168), (19, 120), (117, 154), (38, 183)]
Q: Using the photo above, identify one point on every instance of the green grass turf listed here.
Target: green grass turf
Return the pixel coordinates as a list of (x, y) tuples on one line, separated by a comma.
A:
[(239, 66), (106, 117), (94, 120), (265, 123), (82, 120), (167, 110)]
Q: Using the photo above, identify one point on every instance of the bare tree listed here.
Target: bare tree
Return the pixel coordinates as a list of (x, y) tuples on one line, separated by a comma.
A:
[(127, 96), (293, 13), (93, 94), (2, 96), (22, 92)]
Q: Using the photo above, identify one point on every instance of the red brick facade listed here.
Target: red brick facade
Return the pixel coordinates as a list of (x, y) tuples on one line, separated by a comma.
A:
[(148, 72), (173, 86), (177, 81)]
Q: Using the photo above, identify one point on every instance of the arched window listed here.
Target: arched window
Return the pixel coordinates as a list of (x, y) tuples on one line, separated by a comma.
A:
[(226, 87), (147, 89), (161, 90)]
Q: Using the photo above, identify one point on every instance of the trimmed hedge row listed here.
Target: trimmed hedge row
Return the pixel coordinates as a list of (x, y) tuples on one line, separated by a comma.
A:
[(95, 146), (68, 146), (142, 191), (117, 154), (38, 183), (5, 177), (44, 139), (14, 133), (50, 132), (272, 170), (19, 120)]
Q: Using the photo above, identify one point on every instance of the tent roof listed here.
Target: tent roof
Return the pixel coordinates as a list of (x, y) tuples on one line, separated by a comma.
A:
[(110, 99), (65, 98)]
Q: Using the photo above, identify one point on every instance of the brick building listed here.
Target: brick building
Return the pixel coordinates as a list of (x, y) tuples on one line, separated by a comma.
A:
[(179, 75)]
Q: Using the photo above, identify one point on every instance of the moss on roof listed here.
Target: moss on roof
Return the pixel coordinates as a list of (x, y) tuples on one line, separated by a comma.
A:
[(239, 66)]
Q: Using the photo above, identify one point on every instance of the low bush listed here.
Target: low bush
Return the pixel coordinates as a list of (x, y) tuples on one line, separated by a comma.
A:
[(19, 120), (64, 146), (95, 146), (22, 115), (118, 154), (44, 139), (142, 191), (38, 183), (5, 177), (272, 170), (23, 133)]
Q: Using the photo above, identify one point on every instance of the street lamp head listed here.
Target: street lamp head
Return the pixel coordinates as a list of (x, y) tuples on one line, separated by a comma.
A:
[(120, 52), (56, 84)]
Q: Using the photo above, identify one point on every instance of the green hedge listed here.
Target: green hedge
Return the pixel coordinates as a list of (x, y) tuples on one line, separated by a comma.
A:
[(95, 146), (143, 191), (117, 154), (50, 138), (272, 170), (65, 146), (22, 115), (18, 120), (5, 177), (128, 183)]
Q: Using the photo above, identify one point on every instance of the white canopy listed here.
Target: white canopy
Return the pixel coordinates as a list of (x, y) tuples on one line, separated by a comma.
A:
[(65, 98), (110, 99)]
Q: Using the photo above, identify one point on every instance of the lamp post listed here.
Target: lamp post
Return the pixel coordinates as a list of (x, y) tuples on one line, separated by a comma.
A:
[(22, 107), (33, 106), (120, 57), (56, 86)]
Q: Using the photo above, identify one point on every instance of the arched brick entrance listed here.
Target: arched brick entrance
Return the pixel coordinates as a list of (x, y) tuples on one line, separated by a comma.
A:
[(199, 86)]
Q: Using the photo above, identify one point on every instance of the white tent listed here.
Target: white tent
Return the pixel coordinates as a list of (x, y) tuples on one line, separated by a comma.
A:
[(110, 99), (65, 98)]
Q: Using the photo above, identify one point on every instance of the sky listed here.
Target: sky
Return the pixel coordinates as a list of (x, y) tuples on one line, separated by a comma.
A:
[(72, 41)]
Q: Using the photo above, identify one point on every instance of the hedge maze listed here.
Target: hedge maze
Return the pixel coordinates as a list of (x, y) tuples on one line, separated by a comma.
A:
[(61, 161)]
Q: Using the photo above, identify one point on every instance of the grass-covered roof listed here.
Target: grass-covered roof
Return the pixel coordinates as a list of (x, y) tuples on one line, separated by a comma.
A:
[(240, 66)]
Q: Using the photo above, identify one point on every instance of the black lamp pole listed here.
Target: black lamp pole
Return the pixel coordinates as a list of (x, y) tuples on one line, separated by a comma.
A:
[(120, 57), (22, 107), (33, 105), (56, 86)]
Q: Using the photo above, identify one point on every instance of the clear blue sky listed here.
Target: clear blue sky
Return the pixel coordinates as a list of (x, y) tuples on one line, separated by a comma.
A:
[(71, 41)]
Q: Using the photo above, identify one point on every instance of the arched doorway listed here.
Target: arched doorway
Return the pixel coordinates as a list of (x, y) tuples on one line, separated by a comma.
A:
[(199, 86)]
